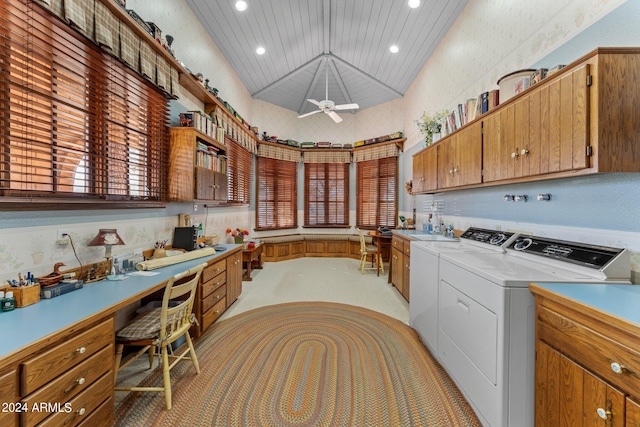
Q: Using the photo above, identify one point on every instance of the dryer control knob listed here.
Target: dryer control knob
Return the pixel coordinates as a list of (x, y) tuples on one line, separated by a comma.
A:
[(522, 244)]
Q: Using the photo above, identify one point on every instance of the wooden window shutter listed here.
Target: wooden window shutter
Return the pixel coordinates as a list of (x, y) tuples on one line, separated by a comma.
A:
[(326, 195), (376, 193), (277, 194)]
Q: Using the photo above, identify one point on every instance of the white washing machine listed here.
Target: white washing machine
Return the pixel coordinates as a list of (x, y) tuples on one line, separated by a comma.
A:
[(424, 275), (486, 334)]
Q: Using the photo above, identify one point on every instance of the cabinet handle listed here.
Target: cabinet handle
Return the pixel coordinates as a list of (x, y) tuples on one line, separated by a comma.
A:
[(604, 414), (80, 350), (620, 369), (515, 154), (77, 382), (524, 152)]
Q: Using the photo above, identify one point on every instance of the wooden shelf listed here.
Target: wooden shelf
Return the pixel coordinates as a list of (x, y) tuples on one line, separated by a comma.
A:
[(122, 14), (398, 142)]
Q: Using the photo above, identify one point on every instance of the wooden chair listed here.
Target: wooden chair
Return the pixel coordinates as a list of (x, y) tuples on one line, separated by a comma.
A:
[(162, 326), (372, 251)]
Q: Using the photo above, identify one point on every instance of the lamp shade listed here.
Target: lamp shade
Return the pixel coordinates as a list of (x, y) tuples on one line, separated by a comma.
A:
[(107, 237)]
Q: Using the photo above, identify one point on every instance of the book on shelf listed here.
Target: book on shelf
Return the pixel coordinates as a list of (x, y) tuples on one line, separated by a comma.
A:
[(471, 109), (484, 99), (494, 99)]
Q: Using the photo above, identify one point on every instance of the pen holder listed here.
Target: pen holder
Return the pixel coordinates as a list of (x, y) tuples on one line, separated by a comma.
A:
[(26, 295)]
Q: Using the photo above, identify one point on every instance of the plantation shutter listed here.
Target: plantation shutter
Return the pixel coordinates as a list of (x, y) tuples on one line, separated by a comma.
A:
[(277, 195), (326, 196)]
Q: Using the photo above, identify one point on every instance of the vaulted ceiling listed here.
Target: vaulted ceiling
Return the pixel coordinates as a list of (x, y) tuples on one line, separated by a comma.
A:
[(310, 42)]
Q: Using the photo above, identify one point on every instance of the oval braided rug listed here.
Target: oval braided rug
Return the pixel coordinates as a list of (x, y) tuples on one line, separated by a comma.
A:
[(304, 364)]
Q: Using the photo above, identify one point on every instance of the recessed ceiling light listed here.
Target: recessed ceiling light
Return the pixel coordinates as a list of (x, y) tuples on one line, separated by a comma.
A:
[(414, 3), (260, 50), (242, 5), (394, 49)]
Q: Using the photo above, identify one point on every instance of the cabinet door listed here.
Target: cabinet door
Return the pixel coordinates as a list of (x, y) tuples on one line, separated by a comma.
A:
[(425, 172), (205, 184), (633, 413), (568, 395), (564, 122), (397, 270), (234, 277), (406, 274), (210, 185), (468, 150), (447, 162)]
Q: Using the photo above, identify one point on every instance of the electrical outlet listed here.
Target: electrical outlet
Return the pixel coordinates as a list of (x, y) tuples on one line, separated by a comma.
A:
[(63, 237), (195, 208)]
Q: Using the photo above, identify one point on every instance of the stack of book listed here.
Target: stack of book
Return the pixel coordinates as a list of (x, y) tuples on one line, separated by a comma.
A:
[(209, 157)]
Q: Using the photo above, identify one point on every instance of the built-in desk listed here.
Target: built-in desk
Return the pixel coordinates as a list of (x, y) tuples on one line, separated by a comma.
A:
[(59, 340)]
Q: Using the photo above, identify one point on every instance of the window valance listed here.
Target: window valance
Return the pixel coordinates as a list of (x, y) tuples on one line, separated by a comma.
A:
[(94, 20), (375, 153), (279, 153), (327, 156)]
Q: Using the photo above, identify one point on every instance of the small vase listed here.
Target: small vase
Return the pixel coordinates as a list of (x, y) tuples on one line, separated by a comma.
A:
[(436, 137), (238, 240)]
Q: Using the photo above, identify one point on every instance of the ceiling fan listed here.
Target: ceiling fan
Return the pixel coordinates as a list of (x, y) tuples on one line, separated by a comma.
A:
[(327, 106)]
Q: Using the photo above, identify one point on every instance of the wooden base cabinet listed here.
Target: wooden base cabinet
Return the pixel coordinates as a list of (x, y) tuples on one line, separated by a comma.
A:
[(587, 366), (400, 264)]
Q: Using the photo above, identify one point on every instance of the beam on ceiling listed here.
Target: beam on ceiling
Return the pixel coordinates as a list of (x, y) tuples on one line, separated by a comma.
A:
[(326, 26), (341, 84), (293, 73), (366, 76), (312, 85)]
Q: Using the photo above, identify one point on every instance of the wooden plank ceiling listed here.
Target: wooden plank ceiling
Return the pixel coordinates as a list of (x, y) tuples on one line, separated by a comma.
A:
[(310, 41)]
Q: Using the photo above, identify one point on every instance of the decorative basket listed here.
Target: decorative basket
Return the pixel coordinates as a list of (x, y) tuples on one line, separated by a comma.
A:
[(214, 239)]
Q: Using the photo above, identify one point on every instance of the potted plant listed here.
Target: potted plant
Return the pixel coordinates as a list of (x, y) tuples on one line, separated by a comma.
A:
[(430, 126), (238, 234)]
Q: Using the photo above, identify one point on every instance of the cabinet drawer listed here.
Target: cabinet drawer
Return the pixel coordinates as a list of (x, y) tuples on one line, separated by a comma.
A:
[(46, 366), (83, 405), (68, 385), (213, 313), (103, 416), (9, 395), (397, 243), (214, 283), (214, 298), (213, 270), (407, 248), (591, 349)]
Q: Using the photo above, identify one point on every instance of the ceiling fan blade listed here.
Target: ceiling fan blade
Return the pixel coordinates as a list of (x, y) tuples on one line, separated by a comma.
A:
[(336, 118), (346, 107), (314, 102), (308, 114)]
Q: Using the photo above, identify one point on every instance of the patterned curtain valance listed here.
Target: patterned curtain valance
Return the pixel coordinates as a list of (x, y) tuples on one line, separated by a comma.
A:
[(374, 153), (327, 156), (93, 19), (279, 153)]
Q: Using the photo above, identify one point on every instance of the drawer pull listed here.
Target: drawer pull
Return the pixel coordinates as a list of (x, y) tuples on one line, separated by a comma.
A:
[(77, 382), (81, 411), (604, 414), (620, 369), (81, 350)]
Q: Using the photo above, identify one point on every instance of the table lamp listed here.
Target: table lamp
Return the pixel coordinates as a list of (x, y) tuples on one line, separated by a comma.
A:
[(107, 237)]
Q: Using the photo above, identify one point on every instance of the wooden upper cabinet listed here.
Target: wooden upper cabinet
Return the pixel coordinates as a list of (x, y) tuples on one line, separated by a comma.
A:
[(543, 132), (191, 173), (460, 158), (425, 170)]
